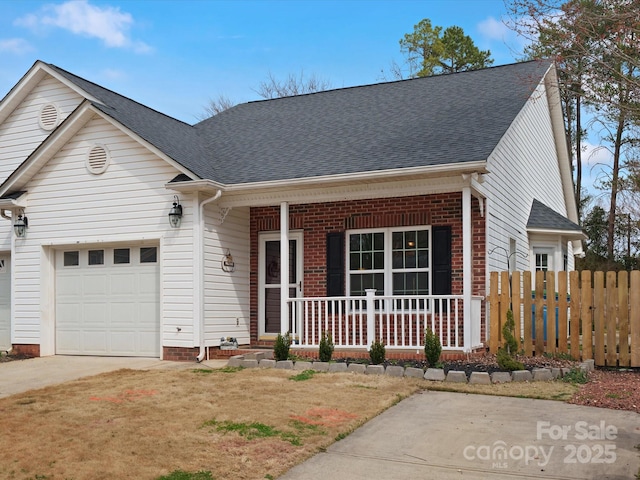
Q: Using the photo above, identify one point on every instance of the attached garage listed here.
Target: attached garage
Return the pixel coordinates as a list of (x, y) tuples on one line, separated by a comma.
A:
[(5, 301), (108, 302)]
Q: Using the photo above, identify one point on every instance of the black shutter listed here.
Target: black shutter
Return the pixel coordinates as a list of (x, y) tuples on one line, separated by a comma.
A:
[(335, 264), (441, 258)]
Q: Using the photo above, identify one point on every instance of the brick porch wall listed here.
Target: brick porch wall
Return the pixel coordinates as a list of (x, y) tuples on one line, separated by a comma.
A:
[(316, 220)]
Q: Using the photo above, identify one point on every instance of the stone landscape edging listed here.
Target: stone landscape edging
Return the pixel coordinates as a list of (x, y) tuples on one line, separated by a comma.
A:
[(264, 360)]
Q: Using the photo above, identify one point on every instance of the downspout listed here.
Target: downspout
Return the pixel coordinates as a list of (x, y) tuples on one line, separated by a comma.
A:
[(200, 266)]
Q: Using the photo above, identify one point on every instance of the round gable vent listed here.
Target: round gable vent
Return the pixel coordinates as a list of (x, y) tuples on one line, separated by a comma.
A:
[(97, 159), (49, 117)]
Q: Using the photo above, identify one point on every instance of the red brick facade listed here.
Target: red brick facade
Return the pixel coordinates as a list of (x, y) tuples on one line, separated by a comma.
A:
[(319, 219)]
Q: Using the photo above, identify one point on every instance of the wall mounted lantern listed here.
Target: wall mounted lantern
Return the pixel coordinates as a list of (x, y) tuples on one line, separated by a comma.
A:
[(228, 264), (175, 214), (21, 224)]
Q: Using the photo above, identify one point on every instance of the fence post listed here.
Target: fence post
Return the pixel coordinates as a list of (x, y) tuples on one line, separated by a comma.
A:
[(574, 322), (371, 317), (623, 317), (586, 315), (634, 317), (494, 313)]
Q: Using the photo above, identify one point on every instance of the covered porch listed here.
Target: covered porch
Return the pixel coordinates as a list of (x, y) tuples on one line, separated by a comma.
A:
[(316, 298)]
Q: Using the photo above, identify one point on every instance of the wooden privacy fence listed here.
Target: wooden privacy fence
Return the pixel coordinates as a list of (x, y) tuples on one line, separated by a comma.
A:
[(589, 315)]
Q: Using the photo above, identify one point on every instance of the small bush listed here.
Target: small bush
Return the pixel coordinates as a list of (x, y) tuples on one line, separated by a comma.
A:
[(281, 347), (508, 362), (506, 356), (575, 375), (377, 352), (326, 348), (432, 347)]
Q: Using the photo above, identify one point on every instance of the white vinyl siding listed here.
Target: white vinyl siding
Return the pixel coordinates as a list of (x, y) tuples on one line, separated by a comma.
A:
[(128, 203), (20, 132), (5, 301), (523, 166), (226, 294)]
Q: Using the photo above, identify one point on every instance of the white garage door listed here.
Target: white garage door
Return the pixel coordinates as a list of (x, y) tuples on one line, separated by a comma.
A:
[(107, 302), (5, 302)]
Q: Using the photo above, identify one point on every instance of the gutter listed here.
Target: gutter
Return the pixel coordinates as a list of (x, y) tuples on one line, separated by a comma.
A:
[(200, 265)]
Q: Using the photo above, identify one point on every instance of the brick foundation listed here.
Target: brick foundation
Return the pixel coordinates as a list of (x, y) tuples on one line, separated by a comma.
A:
[(29, 350), (180, 354)]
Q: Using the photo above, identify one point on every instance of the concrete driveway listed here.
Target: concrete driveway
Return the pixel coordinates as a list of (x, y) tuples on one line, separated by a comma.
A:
[(21, 375), (431, 435), (440, 435)]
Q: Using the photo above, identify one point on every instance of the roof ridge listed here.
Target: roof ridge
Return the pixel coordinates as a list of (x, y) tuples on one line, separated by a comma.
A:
[(71, 76), (401, 80)]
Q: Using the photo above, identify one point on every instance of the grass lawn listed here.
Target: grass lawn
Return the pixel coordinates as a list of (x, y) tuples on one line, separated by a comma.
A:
[(195, 424)]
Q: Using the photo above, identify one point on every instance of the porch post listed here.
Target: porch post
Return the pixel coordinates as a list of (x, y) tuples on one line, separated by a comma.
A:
[(284, 267), (467, 266)]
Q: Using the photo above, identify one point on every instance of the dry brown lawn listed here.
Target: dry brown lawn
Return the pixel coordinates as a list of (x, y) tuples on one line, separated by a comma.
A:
[(236, 424), (145, 424)]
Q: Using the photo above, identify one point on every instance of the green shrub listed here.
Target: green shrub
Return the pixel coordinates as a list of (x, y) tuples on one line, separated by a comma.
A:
[(377, 352), (506, 356), (432, 347), (575, 375), (326, 347), (508, 362), (281, 347)]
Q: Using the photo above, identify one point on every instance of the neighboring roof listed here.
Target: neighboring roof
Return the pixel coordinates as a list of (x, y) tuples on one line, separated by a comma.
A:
[(430, 121), (542, 217), (176, 139)]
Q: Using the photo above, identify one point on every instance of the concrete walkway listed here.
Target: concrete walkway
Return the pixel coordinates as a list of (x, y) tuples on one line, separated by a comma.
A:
[(441, 435), (21, 375)]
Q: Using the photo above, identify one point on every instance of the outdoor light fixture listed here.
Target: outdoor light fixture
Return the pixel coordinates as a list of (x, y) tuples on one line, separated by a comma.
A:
[(228, 264), (175, 214), (21, 224)]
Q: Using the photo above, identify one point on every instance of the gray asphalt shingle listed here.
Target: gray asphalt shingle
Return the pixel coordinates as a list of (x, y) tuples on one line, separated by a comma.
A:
[(546, 218), (421, 122)]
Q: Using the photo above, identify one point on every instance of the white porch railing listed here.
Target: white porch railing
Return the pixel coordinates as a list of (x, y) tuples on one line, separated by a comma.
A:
[(398, 321)]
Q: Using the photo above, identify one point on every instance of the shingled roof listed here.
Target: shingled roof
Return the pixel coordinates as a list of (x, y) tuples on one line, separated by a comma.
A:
[(545, 218), (439, 120), (176, 139)]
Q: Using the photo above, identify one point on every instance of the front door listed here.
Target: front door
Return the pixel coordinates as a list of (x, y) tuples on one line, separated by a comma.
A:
[(269, 273)]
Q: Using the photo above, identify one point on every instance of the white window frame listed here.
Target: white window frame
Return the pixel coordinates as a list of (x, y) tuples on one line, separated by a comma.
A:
[(388, 270)]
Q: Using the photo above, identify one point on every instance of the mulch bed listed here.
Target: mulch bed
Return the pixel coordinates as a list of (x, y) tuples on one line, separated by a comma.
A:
[(485, 363)]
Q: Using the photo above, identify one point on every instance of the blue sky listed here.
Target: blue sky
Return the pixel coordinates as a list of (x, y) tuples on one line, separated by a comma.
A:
[(175, 56)]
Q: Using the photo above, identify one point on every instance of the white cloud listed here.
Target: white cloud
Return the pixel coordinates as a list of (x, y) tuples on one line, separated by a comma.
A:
[(113, 74), (15, 45), (108, 24), (493, 29)]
